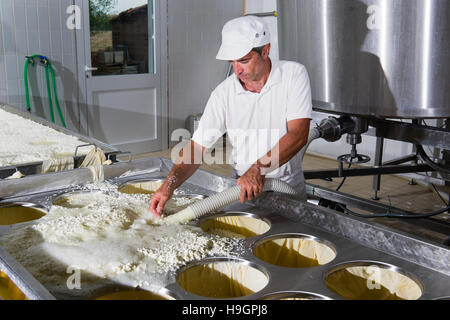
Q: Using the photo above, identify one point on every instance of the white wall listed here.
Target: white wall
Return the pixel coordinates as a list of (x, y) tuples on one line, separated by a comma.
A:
[(194, 35), (38, 27), (259, 6)]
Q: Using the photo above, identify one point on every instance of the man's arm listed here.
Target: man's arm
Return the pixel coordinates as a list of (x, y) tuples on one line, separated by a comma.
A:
[(184, 167), (252, 181)]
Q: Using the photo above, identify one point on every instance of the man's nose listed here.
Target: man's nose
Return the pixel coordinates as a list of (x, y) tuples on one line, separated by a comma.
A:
[(237, 69)]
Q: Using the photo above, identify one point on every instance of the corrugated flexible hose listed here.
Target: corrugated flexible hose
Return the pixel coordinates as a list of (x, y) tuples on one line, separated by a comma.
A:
[(222, 199), (233, 194)]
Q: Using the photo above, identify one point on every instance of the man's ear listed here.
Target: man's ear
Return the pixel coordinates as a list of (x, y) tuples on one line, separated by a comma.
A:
[(266, 50)]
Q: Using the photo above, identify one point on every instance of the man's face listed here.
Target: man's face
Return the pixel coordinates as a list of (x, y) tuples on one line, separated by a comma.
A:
[(250, 67)]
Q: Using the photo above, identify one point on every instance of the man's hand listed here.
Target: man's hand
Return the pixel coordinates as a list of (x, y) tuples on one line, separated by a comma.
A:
[(183, 168), (159, 199), (252, 183)]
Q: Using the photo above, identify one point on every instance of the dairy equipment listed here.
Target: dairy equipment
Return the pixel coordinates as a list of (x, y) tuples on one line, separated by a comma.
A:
[(348, 242), (380, 58), (374, 61), (31, 168), (376, 67)]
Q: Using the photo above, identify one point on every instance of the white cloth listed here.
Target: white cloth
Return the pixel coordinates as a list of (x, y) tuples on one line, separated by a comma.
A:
[(255, 122)]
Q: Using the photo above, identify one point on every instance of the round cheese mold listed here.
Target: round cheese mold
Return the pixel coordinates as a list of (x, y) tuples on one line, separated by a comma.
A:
[(235, 225), (129, 293), (148, 186), (294, 295), (13, 213), (367, 280), (79, 199), (222, 278), (294, 250)]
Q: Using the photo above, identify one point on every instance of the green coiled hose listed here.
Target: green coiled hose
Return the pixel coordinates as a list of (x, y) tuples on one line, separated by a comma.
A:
[(48, 72)]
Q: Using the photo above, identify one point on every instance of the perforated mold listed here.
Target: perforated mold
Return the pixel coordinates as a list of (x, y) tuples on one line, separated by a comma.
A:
[(373, 280), (19, 212), (235, 224), (222, 278), (351, 239), (294, 250)]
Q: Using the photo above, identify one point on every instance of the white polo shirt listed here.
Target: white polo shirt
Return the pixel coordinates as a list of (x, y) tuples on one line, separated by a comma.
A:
[(255, 122)]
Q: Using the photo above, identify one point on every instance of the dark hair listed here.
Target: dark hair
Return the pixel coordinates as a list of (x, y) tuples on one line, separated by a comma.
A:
[(259, 50)]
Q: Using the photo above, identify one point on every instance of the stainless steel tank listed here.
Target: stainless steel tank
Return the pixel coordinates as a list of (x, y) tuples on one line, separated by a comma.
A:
[(381, 58)]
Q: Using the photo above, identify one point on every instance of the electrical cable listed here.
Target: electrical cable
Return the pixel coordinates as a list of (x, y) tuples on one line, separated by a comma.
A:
[(437, 191), (58, 107), (343, 180), (49, 92), (430, 162), (439, 194), (48, 72)]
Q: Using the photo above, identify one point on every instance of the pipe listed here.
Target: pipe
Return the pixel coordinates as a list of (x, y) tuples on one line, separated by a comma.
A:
[(48, 72), (25, 77), (263, 14), (58, 107), (49, 93), (314, 133), (222, 199)]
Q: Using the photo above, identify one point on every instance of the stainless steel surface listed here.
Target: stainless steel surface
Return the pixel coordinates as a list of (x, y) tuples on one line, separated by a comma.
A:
[(112, 288), (376, 58), (22, 204), (295, 236), (288, 295), (412, 133), (191, 196), (35, 167), (380, 265), (433, 228), (65, 195), (30, 287), (233, 214), (366, 171), (213, 260), (365, 232), (140, 181), (353, 239)]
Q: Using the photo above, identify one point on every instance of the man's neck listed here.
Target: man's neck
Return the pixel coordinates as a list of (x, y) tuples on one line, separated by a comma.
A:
[(257, 85)]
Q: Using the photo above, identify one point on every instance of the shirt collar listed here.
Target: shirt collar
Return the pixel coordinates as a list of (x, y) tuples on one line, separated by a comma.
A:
[(274, 78)]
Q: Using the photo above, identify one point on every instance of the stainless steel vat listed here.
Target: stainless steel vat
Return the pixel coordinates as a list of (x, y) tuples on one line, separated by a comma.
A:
[(32, 168), (380, 58), (353, 239)]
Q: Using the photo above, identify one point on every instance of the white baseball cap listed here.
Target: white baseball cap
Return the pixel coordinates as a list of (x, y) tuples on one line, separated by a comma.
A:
[(241, 35)]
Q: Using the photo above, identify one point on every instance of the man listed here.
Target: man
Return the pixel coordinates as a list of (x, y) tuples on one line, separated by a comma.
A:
[(265, 108)]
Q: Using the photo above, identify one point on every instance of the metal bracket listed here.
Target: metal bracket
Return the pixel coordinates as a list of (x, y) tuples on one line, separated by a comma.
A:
[(121, 153), (84, 145)]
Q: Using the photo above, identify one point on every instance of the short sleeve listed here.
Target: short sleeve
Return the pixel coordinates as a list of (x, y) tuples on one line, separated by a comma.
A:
[(299, 102), (212, 122)]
